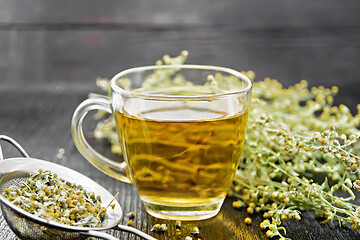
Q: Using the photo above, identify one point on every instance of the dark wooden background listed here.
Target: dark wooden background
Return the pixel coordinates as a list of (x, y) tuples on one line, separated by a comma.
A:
[(51, 52)]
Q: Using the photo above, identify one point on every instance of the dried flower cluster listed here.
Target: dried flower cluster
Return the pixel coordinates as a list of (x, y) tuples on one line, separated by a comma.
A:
[(300, 152), (47, 196), (159, 228)]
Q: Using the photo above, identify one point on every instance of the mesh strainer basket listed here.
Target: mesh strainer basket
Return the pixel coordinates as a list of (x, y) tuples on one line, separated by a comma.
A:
[(14, 171)]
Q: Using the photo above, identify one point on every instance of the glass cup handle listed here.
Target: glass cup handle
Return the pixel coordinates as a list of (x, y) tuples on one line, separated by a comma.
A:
[(108, 166)]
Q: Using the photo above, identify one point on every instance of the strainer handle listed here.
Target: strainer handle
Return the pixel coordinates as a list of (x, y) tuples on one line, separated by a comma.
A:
[(135, 231), (124, 228), (15, 144), (99, 234)]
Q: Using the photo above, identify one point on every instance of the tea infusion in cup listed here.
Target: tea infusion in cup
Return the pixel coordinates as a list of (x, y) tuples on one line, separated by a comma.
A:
[(181, 129)]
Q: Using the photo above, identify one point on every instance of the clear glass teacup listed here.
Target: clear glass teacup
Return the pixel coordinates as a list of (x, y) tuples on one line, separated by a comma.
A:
[(181, 130)]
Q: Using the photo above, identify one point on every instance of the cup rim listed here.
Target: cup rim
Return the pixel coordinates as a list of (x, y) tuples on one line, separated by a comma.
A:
[(124, 92)]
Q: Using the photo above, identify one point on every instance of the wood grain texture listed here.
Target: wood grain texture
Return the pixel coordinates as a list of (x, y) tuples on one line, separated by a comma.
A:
[(253, 14), (321, 55), (52, 52)]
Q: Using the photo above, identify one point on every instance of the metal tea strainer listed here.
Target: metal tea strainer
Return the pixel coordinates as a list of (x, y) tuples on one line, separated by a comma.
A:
[(25, 225)]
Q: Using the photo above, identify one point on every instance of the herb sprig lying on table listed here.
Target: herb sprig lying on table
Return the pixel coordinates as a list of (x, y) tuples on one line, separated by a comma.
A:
[(294, 137), (300, 152)]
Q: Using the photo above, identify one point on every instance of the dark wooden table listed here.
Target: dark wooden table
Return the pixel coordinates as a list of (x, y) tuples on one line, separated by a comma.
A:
[(51, 52)]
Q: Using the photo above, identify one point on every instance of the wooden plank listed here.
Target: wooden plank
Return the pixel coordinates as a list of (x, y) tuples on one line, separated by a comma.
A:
[(250, 14), (323, 56), (81, 56)]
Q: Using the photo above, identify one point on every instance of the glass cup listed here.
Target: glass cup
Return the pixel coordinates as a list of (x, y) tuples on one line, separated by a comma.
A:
[(181, 129)]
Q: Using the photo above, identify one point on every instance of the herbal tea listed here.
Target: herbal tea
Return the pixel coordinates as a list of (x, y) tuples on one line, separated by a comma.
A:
[(181, 130), (181, 156)]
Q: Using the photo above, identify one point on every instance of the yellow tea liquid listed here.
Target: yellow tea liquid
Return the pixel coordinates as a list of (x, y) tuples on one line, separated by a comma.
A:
[(181, 156)]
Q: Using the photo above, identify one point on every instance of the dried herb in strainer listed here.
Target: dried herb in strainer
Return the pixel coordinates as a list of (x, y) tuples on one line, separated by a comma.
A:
[(47, 196)]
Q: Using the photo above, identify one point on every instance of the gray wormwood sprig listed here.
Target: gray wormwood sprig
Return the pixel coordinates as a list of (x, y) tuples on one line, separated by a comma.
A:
[(294, 136)]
